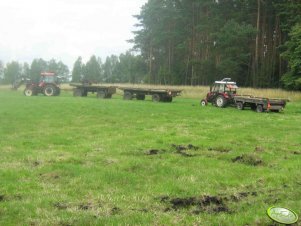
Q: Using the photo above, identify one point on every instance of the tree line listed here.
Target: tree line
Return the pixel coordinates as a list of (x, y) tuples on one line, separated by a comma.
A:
[(194, 42), (125, 68), (15, 70)]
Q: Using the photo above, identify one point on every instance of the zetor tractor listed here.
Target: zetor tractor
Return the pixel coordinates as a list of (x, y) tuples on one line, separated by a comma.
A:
[(48, 85), (221, 93)]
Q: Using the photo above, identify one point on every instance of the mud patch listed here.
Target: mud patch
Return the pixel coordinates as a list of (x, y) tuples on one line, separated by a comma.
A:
[(49, 176), (154, 152), (184, 150), (259, 149), (2, 198), (60, 205), (206, 203), (115, 210), (85, 206), (248, 160), (219, 149), (209, 204)]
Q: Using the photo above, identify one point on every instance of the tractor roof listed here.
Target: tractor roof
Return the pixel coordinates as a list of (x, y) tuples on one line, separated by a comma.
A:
[(226, 81)]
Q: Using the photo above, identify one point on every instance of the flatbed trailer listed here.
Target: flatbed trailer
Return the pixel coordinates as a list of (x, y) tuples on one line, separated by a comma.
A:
[(259, 104), (82, 90), (158, 95)]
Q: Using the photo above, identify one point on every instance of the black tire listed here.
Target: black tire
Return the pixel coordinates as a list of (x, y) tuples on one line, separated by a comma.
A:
[(259, 108), (140, 97), (220, 101), (203, 103), (77, 93), (168, 99), (127, 96), (84, 93), (101, 94), (156, 98), (240, 105), (28, 92), (109, 96), (49, 90)]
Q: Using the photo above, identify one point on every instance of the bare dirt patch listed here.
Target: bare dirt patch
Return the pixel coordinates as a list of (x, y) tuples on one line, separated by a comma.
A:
[(251, 160), (206, 203), (154, 152), (219, 149), (184, 150)]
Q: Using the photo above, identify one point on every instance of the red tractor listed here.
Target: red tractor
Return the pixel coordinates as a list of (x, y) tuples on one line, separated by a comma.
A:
[(221, 93), (48, 85)]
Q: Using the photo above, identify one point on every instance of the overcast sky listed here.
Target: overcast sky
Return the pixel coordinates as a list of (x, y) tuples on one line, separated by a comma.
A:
[(65, 29)]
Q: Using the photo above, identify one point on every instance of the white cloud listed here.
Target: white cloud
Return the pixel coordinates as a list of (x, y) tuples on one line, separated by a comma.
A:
[(65, 29)]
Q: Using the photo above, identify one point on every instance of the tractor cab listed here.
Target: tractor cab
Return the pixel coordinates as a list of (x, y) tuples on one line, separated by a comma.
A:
[(221, 93), (224, 86)]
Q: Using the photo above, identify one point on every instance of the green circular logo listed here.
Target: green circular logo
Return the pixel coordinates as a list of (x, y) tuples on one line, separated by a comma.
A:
[(282, 215)]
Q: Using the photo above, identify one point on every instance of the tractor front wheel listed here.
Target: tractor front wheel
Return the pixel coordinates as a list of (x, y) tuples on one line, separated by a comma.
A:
[(49, 90), (203, 103), (28, 92), (220, 101)]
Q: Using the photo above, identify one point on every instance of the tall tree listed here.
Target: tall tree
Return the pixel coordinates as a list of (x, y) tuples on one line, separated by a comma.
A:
[(292, 79), (92, 71), (37, 66), (12, 72), (77, 72)]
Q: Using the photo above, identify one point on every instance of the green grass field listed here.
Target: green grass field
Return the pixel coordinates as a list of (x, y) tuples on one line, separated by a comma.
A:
[(85, 161)]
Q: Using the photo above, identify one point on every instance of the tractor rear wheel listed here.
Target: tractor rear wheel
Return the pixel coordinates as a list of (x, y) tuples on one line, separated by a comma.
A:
[(28, 92), (49, 90), (220, 101)]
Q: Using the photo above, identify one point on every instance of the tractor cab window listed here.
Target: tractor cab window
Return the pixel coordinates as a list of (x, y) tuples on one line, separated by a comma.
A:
[(218, 88), (48, 79)]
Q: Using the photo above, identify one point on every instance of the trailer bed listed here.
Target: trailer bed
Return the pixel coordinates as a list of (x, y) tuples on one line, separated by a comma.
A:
[(162, 95), (259, 104), (82, 90)]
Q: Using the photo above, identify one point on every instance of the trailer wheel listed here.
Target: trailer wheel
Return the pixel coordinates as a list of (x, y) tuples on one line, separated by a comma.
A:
[(140, 97), (203, 103), (168, 99), (49, 90), (259, 108), (240, 105), (28, 92), (156, 97), (220, 101), (77, 93), (127, 95), (101, 94), (109, 96)]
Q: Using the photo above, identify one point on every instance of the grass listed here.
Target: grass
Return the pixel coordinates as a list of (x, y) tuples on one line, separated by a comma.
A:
[(85, 161)]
